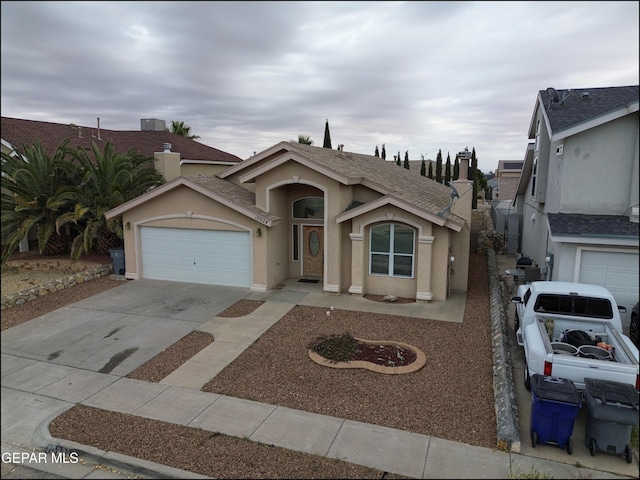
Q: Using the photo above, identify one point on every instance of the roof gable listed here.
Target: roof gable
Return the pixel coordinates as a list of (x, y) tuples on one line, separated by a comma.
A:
[(17, 132), (579, 109), (385, 177), (233, 196)]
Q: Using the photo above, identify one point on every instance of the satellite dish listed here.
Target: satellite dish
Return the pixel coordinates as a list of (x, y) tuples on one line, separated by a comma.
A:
[(553, 93), (454, 194)]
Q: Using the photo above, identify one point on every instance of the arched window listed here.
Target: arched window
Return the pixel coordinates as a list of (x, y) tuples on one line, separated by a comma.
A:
[(309, 207), (392, 250)]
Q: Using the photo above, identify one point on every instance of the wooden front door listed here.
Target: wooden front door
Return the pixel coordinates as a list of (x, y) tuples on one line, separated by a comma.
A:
[(312, 250)]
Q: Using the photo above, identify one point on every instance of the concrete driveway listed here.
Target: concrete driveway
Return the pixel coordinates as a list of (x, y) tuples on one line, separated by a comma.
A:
[(118, 330)]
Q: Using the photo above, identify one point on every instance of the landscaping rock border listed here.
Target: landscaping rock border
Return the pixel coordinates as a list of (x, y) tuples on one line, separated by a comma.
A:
[(414, 366), (67, 281)]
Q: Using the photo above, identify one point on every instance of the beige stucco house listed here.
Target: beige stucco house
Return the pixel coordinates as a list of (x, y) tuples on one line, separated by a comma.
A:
[(353, 222)]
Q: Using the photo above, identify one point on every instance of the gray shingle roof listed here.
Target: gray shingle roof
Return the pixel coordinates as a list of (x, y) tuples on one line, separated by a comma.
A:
[(235, 193), (575, 109), (387, 177), (582, 225)]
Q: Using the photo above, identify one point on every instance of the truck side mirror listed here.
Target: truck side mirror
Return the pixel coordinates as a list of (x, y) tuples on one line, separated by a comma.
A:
[(622, 309), (516, 300)]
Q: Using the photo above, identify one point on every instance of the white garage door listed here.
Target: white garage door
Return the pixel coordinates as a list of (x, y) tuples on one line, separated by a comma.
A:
[(616, 271), (197, 256)]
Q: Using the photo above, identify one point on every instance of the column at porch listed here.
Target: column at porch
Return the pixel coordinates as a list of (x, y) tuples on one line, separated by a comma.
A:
[(357, 263), (423, 269)]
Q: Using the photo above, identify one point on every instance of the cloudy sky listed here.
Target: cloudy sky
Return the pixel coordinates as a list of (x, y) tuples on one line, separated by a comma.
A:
[(416, 76)]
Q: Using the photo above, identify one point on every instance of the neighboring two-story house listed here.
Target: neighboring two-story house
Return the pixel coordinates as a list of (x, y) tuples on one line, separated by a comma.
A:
[(578, 191)]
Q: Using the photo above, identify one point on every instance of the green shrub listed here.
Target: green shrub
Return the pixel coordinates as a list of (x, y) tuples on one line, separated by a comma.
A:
[(336, 348)]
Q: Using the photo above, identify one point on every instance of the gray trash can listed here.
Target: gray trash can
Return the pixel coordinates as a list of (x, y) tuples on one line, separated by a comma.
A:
[(612, 412), (117, 255)]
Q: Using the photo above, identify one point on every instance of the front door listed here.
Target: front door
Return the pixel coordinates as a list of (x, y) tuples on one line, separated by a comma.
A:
[(312, 250)]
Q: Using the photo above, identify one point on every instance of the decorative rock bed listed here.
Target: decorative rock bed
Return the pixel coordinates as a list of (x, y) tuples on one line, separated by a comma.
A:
[(79, 273), (419, 362)]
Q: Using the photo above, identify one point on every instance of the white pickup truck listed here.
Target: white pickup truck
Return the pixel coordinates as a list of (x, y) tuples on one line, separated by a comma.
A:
[(551, 316)]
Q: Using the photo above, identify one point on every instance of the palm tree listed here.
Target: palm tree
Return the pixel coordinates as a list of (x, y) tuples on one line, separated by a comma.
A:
[(179, 128), (36, 190), (305, 140), (108, 180)]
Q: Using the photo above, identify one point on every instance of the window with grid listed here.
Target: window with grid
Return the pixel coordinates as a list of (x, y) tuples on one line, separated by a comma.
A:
[(392, 250)]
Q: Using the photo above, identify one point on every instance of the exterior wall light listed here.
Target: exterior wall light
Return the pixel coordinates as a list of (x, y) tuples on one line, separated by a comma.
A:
[(259, 232)]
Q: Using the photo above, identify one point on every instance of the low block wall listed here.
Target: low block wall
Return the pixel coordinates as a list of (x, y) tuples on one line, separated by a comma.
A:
[(60, 284)]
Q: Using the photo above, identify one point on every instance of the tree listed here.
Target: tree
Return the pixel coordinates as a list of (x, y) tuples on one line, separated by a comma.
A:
[(423, 168), (179, 128), (305, 140), (398, 159), (473, 168), (327, 135), (447, 170), (406, 159), (384, 152), (108, 180), (439, 167), (430, 174), (376, 153), (456, 168), (36, 188)]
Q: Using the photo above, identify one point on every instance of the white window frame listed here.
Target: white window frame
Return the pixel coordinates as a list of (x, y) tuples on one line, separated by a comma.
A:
[(534, 177), (391, 254)]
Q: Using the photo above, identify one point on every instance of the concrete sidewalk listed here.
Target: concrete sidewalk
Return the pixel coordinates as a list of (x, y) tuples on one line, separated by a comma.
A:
[(35, 391)]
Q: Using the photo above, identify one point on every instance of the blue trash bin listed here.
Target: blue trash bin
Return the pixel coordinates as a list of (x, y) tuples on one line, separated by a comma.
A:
[(117, 255), (555, 404)]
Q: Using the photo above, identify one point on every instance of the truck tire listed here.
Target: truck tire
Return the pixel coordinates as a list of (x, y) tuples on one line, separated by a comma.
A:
[(534, 438), (570, 446), (516, 326), (627, 454), (593, 447), (527, 378)]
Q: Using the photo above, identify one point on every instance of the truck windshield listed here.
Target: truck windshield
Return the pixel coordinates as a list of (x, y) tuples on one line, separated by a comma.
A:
[(572, 305)]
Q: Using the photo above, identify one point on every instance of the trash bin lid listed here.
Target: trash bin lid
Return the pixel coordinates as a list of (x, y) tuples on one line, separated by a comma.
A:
[(555, 388), (612, 392)]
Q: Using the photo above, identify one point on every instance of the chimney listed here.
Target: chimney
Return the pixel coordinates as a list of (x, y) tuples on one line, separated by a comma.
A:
[(463, 170), (341, 147)]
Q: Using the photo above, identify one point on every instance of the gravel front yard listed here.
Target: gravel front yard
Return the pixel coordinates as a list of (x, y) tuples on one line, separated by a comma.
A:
[(451, 397)]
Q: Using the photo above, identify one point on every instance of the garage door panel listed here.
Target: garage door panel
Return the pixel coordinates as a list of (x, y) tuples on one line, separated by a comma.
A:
[(198, 256), (616, 271)]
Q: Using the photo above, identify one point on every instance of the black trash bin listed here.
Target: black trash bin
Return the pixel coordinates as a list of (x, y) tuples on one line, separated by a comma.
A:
[(117, 255), (613, 411)]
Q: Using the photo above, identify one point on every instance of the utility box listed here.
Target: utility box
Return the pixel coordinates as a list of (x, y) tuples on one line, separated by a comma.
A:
[(117, 255)]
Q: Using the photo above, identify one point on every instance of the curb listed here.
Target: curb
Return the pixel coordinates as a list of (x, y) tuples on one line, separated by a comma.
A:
[(43, 440)]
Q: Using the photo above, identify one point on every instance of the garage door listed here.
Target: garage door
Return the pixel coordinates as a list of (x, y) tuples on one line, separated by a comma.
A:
[(617, 271), (197, 256)]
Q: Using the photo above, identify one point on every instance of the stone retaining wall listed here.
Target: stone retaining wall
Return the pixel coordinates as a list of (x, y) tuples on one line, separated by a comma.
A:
[(60, 284), (506, 406)]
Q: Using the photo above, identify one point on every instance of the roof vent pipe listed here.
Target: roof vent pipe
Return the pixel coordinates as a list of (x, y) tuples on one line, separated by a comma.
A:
[(585, 95), (166, 147)]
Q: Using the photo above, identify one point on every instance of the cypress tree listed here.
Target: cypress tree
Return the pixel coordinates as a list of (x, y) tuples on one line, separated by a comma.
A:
[(384, 152), (423, 168), (473, 169), (447, 170), (406, 159), (430, 175), (439, 167), (327, 135), (376, 153), (456, 168), (398, 159)]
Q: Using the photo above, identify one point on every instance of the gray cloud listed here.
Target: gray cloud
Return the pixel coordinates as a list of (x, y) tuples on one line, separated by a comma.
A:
[(417, 76)]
